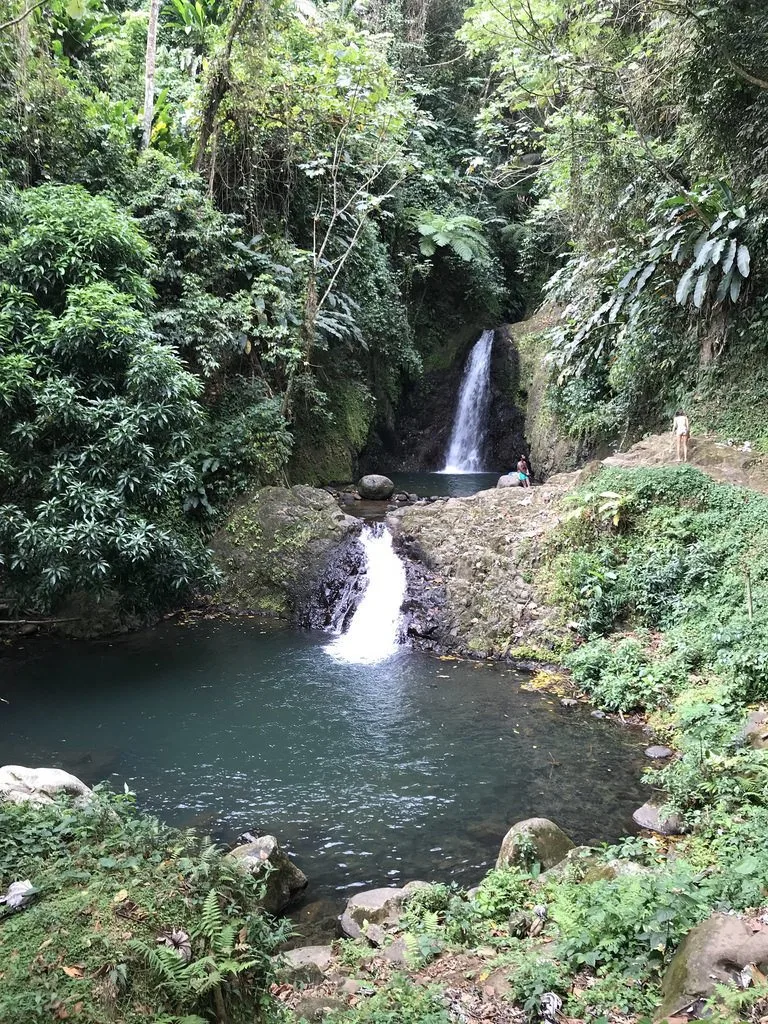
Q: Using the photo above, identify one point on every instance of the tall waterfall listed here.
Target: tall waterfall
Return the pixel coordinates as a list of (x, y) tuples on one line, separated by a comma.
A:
[(465, 452), (374, 631)]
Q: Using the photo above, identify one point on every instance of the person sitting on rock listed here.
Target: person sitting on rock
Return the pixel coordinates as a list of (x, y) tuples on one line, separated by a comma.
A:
[(522, 472), (681, 428)]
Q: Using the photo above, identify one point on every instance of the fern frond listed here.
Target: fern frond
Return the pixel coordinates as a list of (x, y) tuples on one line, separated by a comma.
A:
[(211, 918)]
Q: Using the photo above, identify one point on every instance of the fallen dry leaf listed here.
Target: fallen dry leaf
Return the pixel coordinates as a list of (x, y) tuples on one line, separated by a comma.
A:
[(120, 896), (73, 972)]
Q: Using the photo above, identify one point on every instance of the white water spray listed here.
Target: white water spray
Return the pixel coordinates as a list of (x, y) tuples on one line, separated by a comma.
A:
[(465, 452), (374, 632)]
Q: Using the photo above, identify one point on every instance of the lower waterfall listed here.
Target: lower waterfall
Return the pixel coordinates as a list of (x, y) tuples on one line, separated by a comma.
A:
[(374, 630)]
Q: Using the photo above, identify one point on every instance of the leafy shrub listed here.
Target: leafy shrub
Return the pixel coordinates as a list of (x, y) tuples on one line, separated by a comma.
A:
[(500, 892), (99, 420), (621, 676), (398, 1001)]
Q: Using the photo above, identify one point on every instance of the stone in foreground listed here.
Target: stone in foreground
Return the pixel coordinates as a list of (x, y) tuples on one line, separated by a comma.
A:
[(755, 731), (650, 817), (375, 487), (285, 881), (377, 908), (20, 785), (658, 753), (713, 953), (305, 966), (510, 480), (538, 838)]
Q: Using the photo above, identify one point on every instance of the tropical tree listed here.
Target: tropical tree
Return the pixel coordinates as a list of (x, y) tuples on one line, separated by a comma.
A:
[(98, 419)]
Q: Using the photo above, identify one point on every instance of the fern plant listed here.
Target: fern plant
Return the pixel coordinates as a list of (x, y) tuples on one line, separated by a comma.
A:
[(223, 963), (461, 234)]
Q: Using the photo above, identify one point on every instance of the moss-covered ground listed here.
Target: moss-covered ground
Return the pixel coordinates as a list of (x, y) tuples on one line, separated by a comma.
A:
[(111, 887)]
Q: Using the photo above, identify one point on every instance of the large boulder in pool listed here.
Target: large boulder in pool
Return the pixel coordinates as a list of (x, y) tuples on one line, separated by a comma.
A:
[(285, 882), (20, 785), (509, 480), (275, 547), (534, 840), (375, 487), (715, 952)]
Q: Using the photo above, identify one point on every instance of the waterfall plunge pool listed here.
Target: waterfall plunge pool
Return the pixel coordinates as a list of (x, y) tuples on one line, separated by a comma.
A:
[(370, 775)]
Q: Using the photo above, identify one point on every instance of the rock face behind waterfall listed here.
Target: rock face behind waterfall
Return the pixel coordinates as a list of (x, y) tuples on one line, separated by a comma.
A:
[(477, 554), (276, 546)]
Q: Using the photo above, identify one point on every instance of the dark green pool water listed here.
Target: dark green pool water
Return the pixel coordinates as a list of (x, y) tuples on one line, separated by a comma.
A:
[(411, 768), (452, 485)]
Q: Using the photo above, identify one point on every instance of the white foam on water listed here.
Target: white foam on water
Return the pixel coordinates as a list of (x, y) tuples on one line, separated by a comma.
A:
[(374, 631)]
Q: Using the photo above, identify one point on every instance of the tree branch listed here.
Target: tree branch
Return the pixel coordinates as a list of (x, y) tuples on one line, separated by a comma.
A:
[(21, 17), (759, 82)]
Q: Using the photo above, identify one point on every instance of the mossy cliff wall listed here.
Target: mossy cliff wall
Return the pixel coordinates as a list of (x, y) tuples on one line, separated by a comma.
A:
[(274, 547), (551, 449)]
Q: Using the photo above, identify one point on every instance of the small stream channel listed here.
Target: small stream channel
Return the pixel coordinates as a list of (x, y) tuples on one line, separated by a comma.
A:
[(370, 774)]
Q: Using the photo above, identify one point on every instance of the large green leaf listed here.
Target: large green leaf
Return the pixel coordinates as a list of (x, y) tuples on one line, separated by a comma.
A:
[(730, 256), (684, 286), (722, 288), (700, 292), (743, 260)]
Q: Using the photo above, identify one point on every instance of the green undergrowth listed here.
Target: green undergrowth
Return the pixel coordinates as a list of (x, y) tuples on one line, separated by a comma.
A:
[(112, 885), (666, 574), (613, 919)]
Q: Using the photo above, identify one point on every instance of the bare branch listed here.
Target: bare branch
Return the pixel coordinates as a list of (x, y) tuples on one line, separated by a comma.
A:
[(22, 16)]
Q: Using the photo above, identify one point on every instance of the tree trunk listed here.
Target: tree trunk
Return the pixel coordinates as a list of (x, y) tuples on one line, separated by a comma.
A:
[(149, 73), (218, 84)]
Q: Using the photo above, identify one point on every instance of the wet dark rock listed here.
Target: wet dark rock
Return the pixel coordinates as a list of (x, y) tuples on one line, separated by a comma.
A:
[(423, 610), (316, 923), (658, 753), (337, 592), (375, 487)]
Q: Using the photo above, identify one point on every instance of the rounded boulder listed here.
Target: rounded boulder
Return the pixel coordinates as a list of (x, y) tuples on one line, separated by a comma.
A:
[(536, 840), (19, 785), (375, 487), (372, 913), (284, 882)]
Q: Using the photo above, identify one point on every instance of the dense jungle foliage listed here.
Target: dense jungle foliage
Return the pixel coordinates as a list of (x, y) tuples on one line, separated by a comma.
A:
[(637, 129), (224, 285), (232, 235)]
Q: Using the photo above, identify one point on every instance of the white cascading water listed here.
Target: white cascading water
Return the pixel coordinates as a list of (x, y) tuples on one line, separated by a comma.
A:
[(374, 631), (465, 452)]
